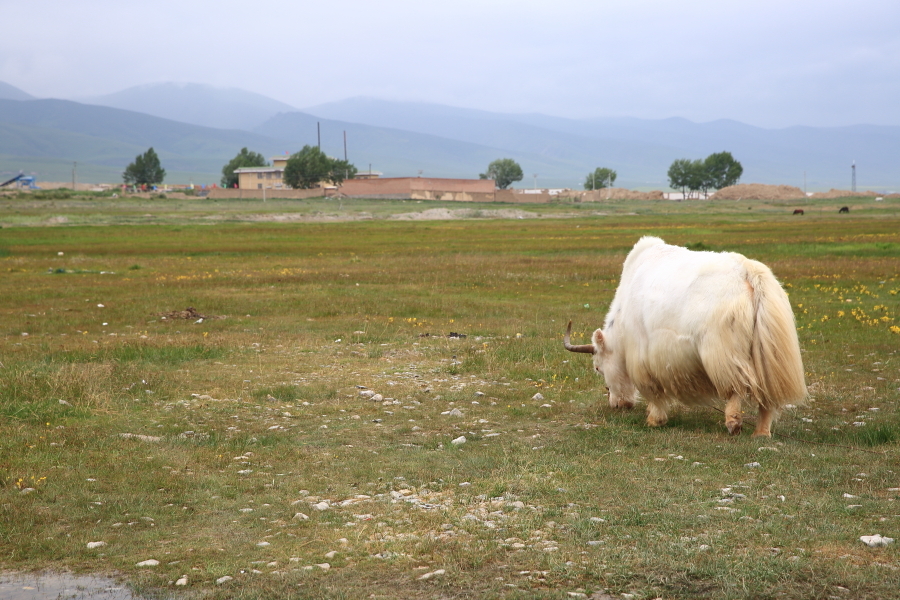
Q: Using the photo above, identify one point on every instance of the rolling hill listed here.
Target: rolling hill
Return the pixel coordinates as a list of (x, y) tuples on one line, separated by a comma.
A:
[(406, 138), (196, 104), (642, 150), (54, 132)]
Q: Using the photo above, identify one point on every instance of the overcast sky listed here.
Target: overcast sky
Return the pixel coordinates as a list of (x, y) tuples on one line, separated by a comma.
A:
[(771, 63)]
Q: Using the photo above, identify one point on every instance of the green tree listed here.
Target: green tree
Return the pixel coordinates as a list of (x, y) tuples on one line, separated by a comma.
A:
[(722, 170), (503, 171), (244, 158), (145, 170), (680, 173), (600, 178), (699, 180), (310, 167), (341, 170)]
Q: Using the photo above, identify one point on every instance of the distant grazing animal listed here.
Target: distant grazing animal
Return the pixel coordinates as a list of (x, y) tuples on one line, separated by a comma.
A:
[(844, 209), (798, 211), (697, 328)]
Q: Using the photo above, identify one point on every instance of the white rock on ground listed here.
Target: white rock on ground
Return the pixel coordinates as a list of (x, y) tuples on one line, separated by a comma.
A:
[(301, 517), (181, 581), (428, 576), (460, 440), (874, 541), (92, 545), (538, 397), (143, 438), (224, 579), (321, 505), (148, 563)]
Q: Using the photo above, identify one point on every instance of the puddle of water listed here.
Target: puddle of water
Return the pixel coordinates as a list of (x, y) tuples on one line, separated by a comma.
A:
[(61, 586)]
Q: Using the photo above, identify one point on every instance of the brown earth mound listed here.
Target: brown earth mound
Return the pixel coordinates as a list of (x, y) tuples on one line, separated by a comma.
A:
[(613, 194), (759, 191)]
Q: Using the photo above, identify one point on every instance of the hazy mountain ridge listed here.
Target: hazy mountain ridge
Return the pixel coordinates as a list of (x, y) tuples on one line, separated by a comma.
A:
[(103, 136), (11, 92), (642, 150), (197, 104), (404, 138)]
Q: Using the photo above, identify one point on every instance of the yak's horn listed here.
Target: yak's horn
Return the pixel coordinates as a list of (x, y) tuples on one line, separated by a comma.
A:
[(586, 348)]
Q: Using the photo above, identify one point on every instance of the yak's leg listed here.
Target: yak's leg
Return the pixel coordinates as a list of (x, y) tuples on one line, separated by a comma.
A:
[(733, 417), (764, 422), (656, 415)]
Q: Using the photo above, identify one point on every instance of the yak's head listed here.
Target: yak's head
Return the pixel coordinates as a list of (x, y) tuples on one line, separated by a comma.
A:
[(618, 384)]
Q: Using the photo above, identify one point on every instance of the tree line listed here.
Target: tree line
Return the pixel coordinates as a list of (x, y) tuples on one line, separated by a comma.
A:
[(310, 167)]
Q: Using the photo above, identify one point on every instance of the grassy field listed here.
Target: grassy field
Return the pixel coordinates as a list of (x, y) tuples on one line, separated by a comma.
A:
[(232, 446)]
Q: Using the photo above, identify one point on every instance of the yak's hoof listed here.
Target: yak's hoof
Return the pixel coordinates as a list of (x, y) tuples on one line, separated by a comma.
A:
[(734, 427), (657, 420), (765, 433)]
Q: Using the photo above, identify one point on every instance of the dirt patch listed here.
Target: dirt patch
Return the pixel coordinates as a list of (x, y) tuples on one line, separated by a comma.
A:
[(759, 191), (833, 193), (444, 214), (189, 313), (316, 217)]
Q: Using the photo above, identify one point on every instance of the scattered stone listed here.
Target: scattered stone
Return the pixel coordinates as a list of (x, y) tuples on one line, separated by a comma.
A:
[(875, 541), (224, 579), (538, 397), (93, 545), (148, 563), (331, 554), (324, 566), (182, 581), (460, 440), (455, 413), (753, 465), (366, 393), (142, 438), (321, 505), (300, 517), (377, 398), (263, 544), (428, 576)]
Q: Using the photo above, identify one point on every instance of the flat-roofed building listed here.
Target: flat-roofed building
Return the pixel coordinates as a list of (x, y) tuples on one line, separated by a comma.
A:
[(259, 178)]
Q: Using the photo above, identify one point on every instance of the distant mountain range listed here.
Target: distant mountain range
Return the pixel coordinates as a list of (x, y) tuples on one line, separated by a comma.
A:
[(196, 129), (196, 104)]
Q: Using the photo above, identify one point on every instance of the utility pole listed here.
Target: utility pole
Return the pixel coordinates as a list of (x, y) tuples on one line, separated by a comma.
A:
[(74, 164), (535, 180), (853, 178), (345, 145), (319, 134), (804, 183)]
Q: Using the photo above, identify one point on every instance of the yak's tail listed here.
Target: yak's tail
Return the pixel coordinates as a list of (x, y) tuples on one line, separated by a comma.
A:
[(775, 349)]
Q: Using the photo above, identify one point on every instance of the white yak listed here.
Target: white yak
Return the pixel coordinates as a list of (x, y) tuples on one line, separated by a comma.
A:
[(697, 328)]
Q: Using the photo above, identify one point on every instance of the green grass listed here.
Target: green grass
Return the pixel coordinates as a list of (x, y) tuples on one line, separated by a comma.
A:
[(260, 408)]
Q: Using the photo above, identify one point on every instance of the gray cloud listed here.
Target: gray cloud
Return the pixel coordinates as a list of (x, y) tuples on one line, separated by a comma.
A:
[(765, 62)]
